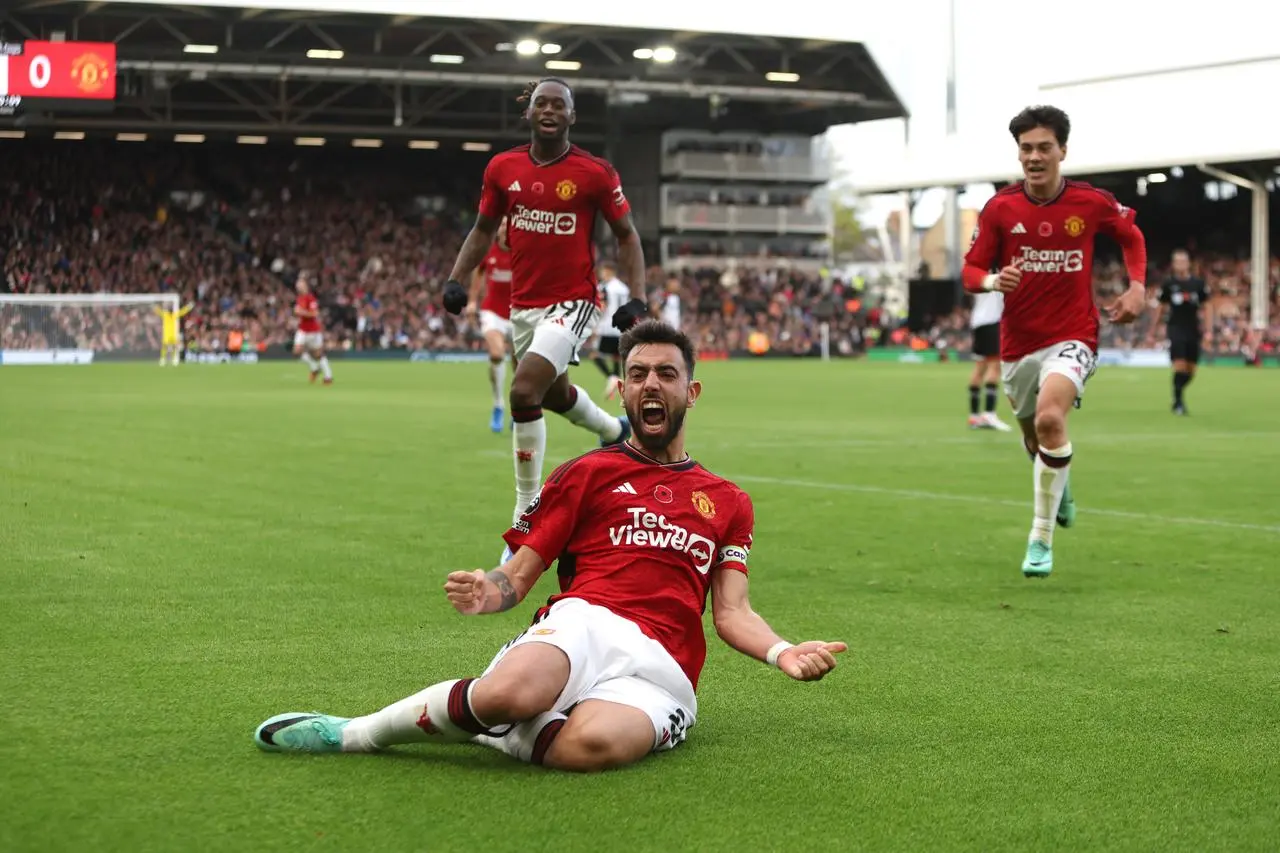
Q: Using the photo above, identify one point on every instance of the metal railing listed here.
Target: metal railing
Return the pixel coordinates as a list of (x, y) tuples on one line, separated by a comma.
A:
[(744, 167), (735, 218)]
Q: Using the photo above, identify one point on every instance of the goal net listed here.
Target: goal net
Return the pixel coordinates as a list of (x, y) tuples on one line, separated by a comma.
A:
[(73, 328)]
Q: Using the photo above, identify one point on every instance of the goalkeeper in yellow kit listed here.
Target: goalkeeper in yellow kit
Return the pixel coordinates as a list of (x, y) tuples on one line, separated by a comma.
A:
[(171, 336)]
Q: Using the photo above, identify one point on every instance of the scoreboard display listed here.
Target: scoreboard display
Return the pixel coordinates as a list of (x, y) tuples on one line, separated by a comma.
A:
[(57, 75)]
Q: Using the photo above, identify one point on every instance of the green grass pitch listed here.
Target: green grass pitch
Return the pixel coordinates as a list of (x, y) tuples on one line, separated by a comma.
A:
[(184, 552)]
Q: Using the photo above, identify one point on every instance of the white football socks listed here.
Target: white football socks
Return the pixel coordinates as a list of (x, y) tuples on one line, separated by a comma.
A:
[(586, 414), (310, 362), (498, 380), (420, 718), (1050, 482), (530, 444), (324, 367)]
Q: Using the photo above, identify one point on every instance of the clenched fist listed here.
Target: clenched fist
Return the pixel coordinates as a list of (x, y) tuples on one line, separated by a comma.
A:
[(467, 591)]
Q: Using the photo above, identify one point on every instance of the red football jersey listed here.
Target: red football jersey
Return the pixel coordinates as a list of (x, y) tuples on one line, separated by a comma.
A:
[(307, 302), (641, 539), (551, 214), (1052, 243), (497, 282)]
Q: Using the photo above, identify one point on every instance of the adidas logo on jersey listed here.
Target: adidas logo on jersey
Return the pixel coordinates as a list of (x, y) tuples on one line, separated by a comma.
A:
[(514, 188), (626, 489), (1018, 229)]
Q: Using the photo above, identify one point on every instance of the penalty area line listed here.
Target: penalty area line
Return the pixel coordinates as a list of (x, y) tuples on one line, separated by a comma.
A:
[(915, 494)]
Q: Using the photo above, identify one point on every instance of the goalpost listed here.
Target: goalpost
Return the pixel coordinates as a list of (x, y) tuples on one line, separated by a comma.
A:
[(71, 328)]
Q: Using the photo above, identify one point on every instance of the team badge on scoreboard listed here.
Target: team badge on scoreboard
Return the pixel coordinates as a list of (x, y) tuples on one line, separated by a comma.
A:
[(90, 71)]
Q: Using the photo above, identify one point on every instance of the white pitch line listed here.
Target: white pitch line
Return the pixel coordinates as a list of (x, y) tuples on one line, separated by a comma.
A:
[(990, 440), (938, 496)]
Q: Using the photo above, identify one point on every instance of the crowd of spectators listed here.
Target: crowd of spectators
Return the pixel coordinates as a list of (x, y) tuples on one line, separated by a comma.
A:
[(230, 229)]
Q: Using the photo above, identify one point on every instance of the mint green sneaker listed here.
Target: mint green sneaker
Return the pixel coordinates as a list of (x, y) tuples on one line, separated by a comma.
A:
[(1039, 560), (1067, 508), (297, 731)]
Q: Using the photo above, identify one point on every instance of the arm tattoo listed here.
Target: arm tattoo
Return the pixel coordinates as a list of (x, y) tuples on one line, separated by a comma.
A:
[(505, 588)]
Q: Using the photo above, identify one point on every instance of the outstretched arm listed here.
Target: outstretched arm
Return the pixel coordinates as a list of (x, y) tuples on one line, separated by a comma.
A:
[(746, 631), (497, 590)]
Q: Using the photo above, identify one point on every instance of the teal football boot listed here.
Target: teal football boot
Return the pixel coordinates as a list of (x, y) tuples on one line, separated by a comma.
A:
[(297, 731), (1039, 560)]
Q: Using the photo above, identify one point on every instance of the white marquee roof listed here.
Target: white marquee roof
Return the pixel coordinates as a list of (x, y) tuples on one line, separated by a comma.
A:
[(1215, 115)]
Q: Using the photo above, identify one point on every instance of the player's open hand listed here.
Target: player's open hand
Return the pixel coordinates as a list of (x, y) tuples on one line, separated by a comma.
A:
[(466, 591), (810, 661), (1129, 306), (1009, 279)]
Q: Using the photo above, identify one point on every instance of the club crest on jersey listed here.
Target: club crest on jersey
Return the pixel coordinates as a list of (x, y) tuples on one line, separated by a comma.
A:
[(703, 504), (566, 189), (1074, 226), (1045, 229)]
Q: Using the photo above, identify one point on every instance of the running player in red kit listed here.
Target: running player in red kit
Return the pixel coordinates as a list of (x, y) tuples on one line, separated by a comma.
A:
[(1034, 243), (550, 192), (607, 672), (491, 291), (308, 341)]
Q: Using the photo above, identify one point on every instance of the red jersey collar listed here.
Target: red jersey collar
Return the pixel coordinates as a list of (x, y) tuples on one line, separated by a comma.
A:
[(1037, 202), (640, 456)]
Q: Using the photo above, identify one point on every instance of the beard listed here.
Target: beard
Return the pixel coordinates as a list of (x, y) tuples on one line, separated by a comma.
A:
[(658, 441)]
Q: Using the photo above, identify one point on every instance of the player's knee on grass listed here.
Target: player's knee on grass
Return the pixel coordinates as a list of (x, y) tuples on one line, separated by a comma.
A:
[(601, 736), (525, 683)]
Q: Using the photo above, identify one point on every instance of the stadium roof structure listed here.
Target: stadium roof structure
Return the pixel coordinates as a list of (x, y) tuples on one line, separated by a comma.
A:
[(1124, 123), (240, 70)]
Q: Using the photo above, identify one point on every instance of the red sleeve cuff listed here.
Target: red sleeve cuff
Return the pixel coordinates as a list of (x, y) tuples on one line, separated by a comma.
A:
[(516, 540)]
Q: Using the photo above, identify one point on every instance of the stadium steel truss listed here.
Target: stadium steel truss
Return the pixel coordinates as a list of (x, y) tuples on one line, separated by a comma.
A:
[(406, 77)]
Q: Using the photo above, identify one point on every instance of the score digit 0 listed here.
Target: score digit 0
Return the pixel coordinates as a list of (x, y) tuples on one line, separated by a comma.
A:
[(40, 71)]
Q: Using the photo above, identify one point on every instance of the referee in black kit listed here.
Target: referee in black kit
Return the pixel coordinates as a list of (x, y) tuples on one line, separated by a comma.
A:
[(1183, 297)]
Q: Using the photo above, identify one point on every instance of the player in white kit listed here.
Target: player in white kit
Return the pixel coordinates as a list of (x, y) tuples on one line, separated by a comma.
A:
[(984, 320), (613, 295), (671, 303)]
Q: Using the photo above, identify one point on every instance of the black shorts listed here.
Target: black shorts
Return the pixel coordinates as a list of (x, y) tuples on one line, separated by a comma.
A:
[(1184, 349), (608, 344), (986, 340)]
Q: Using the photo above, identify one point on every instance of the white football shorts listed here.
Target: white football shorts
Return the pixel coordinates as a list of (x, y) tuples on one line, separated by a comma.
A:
[(491, 322), (611, 659), (555, 332), (309, 341), (1023, 378)]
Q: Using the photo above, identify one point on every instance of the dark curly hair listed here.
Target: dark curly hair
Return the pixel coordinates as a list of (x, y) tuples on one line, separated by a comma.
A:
[(1041, 116), (527, 95)]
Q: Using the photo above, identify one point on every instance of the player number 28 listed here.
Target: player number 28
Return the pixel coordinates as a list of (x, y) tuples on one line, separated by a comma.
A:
[(1080, 354)]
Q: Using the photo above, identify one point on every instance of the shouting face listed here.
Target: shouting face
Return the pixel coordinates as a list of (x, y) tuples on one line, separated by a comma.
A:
[(657, 391)]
